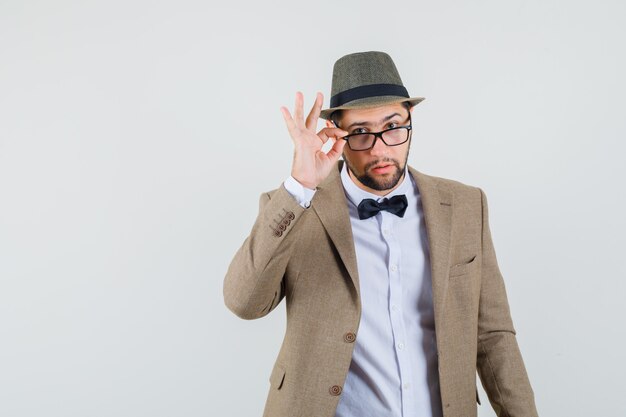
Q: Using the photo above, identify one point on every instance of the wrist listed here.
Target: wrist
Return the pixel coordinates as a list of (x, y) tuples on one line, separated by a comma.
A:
[(305, 184)]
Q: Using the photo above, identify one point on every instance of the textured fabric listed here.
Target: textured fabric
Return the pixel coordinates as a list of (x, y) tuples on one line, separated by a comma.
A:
[(312, 264), (369, 90), (361, 69), (394, 363)]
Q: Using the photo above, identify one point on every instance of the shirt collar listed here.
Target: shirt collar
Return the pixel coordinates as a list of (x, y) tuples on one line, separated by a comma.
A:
[(356, 194)]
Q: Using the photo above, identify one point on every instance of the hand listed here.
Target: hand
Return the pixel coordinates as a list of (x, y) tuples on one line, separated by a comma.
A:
[(310, 164)]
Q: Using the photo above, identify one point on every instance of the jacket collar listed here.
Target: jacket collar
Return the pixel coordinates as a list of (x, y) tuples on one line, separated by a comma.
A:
[(331, 206)]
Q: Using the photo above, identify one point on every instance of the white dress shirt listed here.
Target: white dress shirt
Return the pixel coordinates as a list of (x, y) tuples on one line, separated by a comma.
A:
[(394, 370)]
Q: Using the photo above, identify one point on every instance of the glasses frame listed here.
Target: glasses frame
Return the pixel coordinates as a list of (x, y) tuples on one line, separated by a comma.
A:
[(379, 135)]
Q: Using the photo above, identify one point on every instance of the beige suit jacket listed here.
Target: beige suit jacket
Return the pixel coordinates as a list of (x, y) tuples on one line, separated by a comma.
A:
[(307, 256)]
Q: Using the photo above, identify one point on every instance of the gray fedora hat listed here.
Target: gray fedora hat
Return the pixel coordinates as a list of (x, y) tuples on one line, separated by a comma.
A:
[(366, 79)]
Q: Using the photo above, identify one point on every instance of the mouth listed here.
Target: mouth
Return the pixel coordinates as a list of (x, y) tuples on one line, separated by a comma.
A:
[(382, 169)]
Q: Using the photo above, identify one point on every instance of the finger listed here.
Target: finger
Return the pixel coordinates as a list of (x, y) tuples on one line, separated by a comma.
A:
[(291, 125), (298, 112), (331, 132), (335, 152), (314, 114), (324, 135), (334, 132)]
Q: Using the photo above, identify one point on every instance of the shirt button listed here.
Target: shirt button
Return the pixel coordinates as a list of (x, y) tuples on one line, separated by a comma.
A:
[(386, 231), (394, 268), (400, 345), (407, 385), (394, 307)]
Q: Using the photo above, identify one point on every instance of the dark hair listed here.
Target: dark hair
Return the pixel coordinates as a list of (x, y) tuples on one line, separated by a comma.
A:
[(336, 115)]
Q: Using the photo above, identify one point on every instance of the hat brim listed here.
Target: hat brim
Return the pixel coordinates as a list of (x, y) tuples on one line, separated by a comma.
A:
[(368, 102)]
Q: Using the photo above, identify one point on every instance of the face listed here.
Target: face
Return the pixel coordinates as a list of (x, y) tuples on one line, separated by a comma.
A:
[(377, 170)]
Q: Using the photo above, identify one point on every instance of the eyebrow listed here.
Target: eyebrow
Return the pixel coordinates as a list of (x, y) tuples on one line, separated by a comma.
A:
[(391, 116)]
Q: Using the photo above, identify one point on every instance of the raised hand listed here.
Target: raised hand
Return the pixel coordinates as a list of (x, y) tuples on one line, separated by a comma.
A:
[(310, 164)]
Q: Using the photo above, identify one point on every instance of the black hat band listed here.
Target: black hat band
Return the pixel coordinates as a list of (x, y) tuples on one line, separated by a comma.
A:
[(371, 90)]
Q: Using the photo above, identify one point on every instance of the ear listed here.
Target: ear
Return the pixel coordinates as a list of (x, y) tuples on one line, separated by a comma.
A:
[(329, 123)]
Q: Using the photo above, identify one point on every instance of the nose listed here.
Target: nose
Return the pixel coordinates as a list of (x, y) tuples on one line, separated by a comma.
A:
[(379, 148)]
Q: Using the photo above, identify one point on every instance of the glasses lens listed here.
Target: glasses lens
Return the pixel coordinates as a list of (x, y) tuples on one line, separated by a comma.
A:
[(396, 136), (359, 142)]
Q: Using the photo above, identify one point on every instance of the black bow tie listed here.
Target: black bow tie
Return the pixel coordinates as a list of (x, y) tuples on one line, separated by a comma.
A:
[(396, 205)]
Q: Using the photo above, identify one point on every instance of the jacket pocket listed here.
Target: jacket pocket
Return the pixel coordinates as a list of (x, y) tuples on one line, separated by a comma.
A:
[(277, 377), (462, 268)]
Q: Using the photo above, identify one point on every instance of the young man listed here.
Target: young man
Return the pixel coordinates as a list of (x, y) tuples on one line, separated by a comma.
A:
[(394, 295)]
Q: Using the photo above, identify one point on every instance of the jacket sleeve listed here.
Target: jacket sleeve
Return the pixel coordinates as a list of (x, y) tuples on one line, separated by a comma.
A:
[(499, 360), (254, 284)]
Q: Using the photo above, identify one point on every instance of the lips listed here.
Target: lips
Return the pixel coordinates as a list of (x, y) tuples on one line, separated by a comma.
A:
[(382, 169)]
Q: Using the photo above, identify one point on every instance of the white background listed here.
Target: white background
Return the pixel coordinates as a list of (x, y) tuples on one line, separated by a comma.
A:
[(136, 137)]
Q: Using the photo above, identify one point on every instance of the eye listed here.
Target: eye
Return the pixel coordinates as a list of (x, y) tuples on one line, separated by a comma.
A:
[(359, 130), (391, 125)]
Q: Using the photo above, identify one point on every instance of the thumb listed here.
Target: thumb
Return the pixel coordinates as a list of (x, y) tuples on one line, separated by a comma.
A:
[(335, 152)]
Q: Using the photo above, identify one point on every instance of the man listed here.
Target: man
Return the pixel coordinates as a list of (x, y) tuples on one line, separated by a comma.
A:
[(394, 295)]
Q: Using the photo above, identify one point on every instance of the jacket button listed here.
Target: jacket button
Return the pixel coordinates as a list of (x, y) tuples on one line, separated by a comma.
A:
[(335, 390), (349, 337), (282, 227), (278, 233), (285, 221), (290, 215)]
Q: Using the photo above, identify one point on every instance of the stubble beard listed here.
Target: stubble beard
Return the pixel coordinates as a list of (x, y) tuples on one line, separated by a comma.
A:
[(381, 183)]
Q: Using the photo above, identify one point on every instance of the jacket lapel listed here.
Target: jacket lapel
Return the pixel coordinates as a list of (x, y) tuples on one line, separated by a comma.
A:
[(437, 205), (331, 206)]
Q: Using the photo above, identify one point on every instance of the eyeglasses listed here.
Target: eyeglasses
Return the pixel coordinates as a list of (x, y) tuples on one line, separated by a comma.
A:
[(391, 137)]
